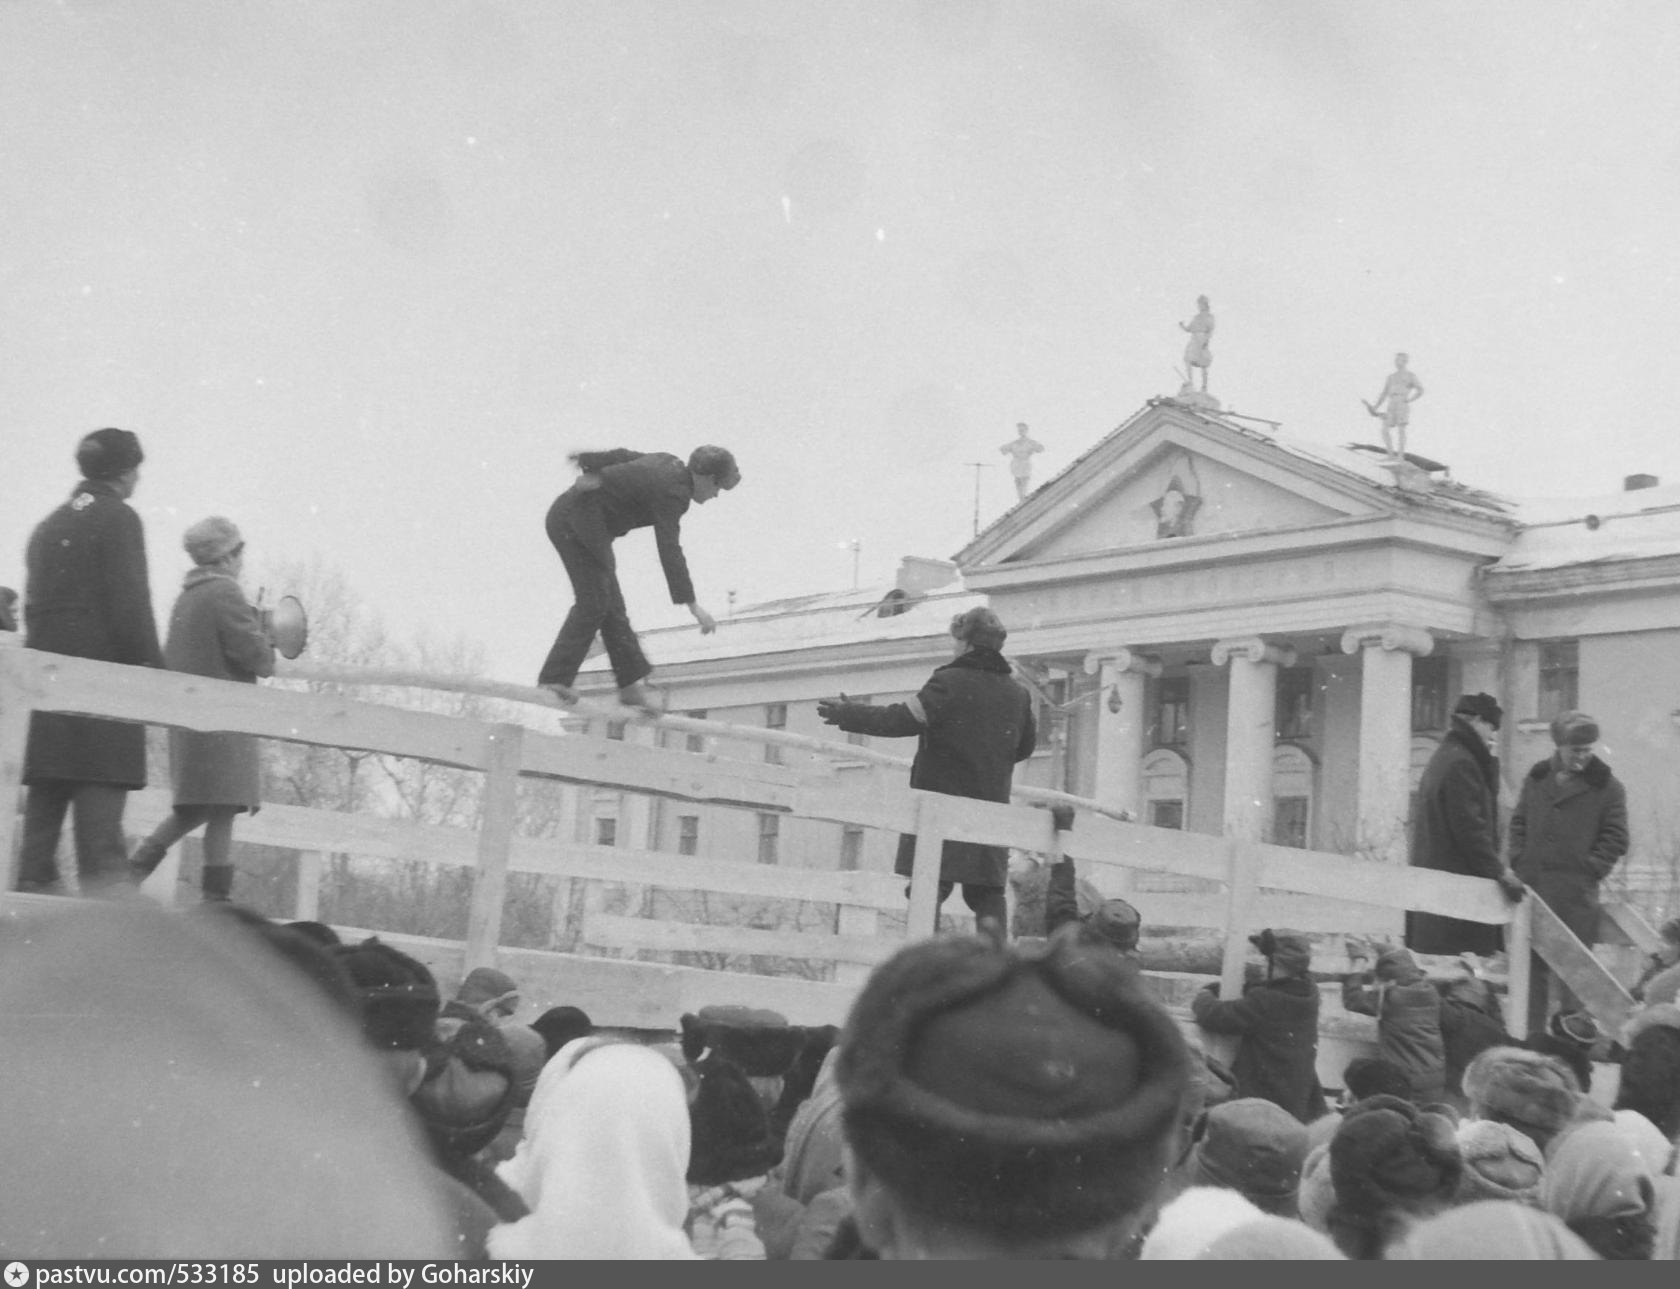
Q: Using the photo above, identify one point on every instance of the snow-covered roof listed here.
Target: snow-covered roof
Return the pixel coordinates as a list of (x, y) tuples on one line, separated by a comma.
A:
[(1558, 532), (808, 622)]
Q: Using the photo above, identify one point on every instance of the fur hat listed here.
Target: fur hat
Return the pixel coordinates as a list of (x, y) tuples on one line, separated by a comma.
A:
[(399, 997), (1531, 1090), (760, 1043), (1194, 1219), (1117, 922), (211, 539), (1271, 1239), (1255, 1147), (1500, 1162), (730, 1129), (469, 1086), (107, 453), (1318, 1191), (560, 1025), (485, 987), (1397, 966), (1288, 951), (1484, 706), (1574, 729), (1369, 1076), (1014, 1089), (1387, 1154)]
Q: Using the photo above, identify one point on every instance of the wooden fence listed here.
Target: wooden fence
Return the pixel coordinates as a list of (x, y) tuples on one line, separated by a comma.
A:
[(1262, 884)]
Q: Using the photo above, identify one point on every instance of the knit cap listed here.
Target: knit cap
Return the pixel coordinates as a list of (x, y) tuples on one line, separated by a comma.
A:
[(210, 539), (107, 453), (1288, 950), (560, 1025), (1389, 1155), (1534, 1091), (729, 1127), (486, 987), (1254, 1147), (1397, 965), (1500, 1162), (1017, 1089)]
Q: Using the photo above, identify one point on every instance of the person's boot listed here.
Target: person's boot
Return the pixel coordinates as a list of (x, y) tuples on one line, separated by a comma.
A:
[(565, 695), (217, 883), (147, 856), (638, 693)]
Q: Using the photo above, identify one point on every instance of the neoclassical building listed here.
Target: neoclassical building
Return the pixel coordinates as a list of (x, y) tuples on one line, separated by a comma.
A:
[(1230, 630)]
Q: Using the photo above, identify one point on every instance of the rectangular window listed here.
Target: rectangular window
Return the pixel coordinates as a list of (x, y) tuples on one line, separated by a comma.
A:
[(606, 832), (1295, 702), (1560, 677), (1289, 822), (1429, 694), (688, 834), (1172, 713), (695, 742), (851, 848), (1166, 814), (616, 728), (769, 837), (775, 718)]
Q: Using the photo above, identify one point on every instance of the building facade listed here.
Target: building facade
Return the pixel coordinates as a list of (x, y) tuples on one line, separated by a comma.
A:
[(1233, 631)]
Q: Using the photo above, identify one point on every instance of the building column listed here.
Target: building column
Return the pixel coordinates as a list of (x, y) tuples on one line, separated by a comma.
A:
[(1122, 724), (1386, 651), (1250, 731)]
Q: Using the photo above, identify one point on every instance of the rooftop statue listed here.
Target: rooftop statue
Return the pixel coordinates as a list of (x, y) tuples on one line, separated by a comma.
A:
[(1394, 405), (1020, 451), (1196, 353)]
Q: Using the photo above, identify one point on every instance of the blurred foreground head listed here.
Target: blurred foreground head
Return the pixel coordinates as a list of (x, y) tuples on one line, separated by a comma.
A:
[(1004, 1101), (175, 1089)]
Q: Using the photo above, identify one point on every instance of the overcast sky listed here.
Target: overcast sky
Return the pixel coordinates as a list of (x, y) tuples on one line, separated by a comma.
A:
[(361, 274)]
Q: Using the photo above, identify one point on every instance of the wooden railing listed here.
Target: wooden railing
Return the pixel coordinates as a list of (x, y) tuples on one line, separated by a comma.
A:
[(1263, 884)]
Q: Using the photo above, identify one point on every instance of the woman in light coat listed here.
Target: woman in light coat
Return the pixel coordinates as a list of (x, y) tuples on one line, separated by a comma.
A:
[(213, 631)]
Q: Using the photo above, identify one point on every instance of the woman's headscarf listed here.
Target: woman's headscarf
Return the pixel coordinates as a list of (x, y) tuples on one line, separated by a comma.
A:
[(602, 1162), (811, 1160), (1597, 1184), (1490, 1230)]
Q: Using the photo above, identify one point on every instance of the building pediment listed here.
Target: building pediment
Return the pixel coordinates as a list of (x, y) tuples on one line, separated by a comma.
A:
[(1170, 474)]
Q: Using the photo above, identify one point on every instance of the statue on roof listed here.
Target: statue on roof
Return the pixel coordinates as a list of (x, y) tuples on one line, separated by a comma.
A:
[(1196, 353), (1394, 405), (1020, 451)]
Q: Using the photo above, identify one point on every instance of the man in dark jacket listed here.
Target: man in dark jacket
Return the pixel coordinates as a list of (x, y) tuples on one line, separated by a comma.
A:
[(974, 722), (1277, 1022), (1456, 829), (87, 595), (1569, 830), (620, 490)]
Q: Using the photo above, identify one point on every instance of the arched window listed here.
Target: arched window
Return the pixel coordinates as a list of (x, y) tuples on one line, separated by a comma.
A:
[(1292, 797), (1166, 789)]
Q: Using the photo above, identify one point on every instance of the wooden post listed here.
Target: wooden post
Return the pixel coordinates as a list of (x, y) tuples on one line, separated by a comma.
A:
[(1518, 979), (309, 865), (922, 919), (854, 920), (15, 708), (505, 750)]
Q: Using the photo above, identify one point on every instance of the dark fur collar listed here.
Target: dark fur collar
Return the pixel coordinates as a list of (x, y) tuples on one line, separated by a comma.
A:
[(1467, 738), (1597, 774)]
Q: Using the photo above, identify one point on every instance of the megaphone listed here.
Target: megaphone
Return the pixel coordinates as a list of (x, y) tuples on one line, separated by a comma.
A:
[(286, 625)]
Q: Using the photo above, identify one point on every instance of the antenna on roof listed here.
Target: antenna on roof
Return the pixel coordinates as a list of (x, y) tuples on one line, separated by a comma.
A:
[(977, 467)]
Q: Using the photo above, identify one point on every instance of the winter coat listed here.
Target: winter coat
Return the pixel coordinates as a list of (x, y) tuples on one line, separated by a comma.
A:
[(214, 631), (1408, 1028), (1471, 1022), (88, 595), (1277, 1059), (631, 490), (974, 722), (1566, 837), (1456, 830)]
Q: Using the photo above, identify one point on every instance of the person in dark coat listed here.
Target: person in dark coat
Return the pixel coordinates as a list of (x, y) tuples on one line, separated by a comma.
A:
[(974, 722), (1456, 829), (213, 631), (1408, 1012), (1277, 1021), (1568, 832), (620, 490), (87, 595)]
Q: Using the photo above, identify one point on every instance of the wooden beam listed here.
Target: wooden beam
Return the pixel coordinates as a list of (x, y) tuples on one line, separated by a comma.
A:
[(1599, 991), (614, 932), (1640, 933), (495, 841)]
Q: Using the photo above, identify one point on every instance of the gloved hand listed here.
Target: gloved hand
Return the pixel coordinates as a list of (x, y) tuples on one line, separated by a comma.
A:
[(1061, 817), (829, 709), (1512, 885)]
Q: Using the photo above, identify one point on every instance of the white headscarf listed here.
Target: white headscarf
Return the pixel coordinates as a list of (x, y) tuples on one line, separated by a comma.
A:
[(603, 1160)]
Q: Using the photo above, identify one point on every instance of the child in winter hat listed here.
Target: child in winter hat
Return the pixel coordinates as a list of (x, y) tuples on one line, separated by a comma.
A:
[(1255, 1148), (731, 1154)]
